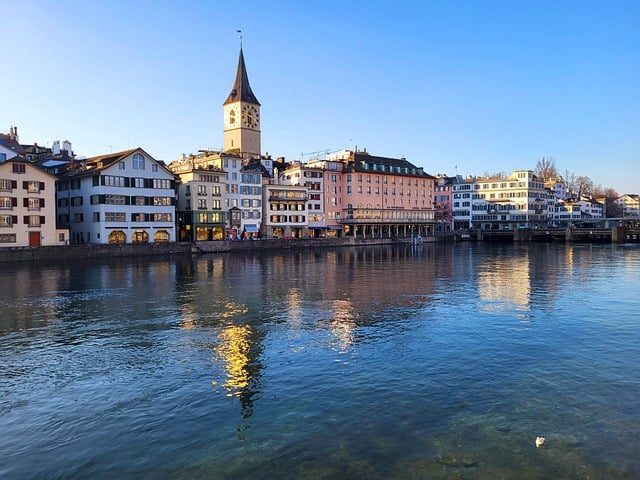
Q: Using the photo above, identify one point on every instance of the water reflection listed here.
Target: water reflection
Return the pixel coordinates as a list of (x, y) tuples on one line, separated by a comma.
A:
[(389, 359), (239, 350)]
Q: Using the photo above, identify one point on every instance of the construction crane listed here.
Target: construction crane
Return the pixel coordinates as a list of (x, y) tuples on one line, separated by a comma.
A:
[(314, 154)]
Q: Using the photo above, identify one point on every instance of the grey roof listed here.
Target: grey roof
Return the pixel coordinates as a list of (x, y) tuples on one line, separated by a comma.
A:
[(241, 90)]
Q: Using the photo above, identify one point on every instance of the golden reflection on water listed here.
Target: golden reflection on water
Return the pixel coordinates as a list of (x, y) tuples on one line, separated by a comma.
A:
[(343, 323), (505, 285), (234, 349)]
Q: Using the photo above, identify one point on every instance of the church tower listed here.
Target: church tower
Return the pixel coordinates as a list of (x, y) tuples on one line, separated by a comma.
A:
[(242, 116)]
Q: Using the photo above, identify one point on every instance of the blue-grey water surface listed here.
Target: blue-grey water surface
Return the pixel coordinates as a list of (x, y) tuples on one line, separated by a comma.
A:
[(437, 361)]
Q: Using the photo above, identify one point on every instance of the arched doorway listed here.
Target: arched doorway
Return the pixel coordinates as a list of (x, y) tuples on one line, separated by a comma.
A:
[(161, 236), (140, 236), (117, 237)]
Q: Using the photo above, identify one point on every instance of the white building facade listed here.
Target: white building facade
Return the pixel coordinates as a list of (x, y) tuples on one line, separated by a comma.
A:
[(124, 197), (502, 203)]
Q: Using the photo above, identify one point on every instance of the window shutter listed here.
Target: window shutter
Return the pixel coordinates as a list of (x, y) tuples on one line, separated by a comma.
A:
[(42, 203), (148, 183), (25, 202), (147, 217), (25, 219), (14, 184), (14, 219), (14, 201), (147, 200), (96, 180), (173, 184), (25, 185), (127, 181), (42, 220), (101, 180), (102, 199), (127, 200), (173, 201), (41, 185)]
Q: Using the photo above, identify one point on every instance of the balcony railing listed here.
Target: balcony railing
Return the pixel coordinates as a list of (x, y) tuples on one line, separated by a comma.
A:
[(383, 215), (288, 197)]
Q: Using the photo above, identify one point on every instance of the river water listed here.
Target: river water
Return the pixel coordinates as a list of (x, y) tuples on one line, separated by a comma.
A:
[(432, 361)]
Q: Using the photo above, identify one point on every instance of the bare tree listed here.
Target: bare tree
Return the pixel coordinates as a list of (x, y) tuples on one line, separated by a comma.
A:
[(612, 209), (570, 182), (584, 186), (546, 169)]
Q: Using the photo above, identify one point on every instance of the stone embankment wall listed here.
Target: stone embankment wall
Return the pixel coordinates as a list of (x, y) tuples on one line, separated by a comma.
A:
[(71, 252)]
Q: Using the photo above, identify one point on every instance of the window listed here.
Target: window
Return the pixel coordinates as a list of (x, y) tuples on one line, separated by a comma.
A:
[(6, 221), (138, 162), (33, 220), (202, 189), (138, 182), (160, 183), (121, 166), (18, 168), (5, 185), (162, 201), (96, 216), (154, 168), (77, 218), (33, 204), (138, 200), (161, 236), (76, 201), (110, 180), (6, 203), (33, 187), (114, 217), (3, 157), (114, 199), (161, 217), (202, 204), (117, 236)]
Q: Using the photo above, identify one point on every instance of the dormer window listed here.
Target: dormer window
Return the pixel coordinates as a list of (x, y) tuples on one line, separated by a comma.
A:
[(138, 162)]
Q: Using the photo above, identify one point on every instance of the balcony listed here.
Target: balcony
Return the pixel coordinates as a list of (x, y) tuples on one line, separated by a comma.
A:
[(379, 215), (288, 197)]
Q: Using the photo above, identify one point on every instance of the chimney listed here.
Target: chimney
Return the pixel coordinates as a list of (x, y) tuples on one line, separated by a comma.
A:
[(13, 134)]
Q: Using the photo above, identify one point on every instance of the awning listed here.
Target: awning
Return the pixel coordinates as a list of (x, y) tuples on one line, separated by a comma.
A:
[(334, 227), (251, 228)]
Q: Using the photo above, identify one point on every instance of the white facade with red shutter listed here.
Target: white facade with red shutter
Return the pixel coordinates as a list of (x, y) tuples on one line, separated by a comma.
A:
[(27, 206)]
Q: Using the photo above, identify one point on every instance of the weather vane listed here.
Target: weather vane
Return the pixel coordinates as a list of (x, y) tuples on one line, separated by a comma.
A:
[(240, 35)]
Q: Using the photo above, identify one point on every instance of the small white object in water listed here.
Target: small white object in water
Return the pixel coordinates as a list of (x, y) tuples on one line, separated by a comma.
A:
[(540, 441)]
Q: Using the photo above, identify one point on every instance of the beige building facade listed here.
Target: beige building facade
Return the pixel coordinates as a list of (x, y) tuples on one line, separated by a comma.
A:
[(28, 206)]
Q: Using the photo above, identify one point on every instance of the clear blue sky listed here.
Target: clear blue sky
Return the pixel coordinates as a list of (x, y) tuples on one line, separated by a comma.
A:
[(487, 86)]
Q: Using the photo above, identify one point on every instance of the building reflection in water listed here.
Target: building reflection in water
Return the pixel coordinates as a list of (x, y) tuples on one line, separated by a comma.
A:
[(343, 323), (505, 285)]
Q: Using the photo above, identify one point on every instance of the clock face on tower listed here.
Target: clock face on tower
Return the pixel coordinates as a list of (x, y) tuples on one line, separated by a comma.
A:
[(232, 118), (250, 116)]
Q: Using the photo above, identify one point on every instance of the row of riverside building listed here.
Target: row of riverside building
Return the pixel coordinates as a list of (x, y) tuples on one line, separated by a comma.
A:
[(49, 196)]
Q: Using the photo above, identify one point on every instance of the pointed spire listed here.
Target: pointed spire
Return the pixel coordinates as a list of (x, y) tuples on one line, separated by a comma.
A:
[(241, 90)]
